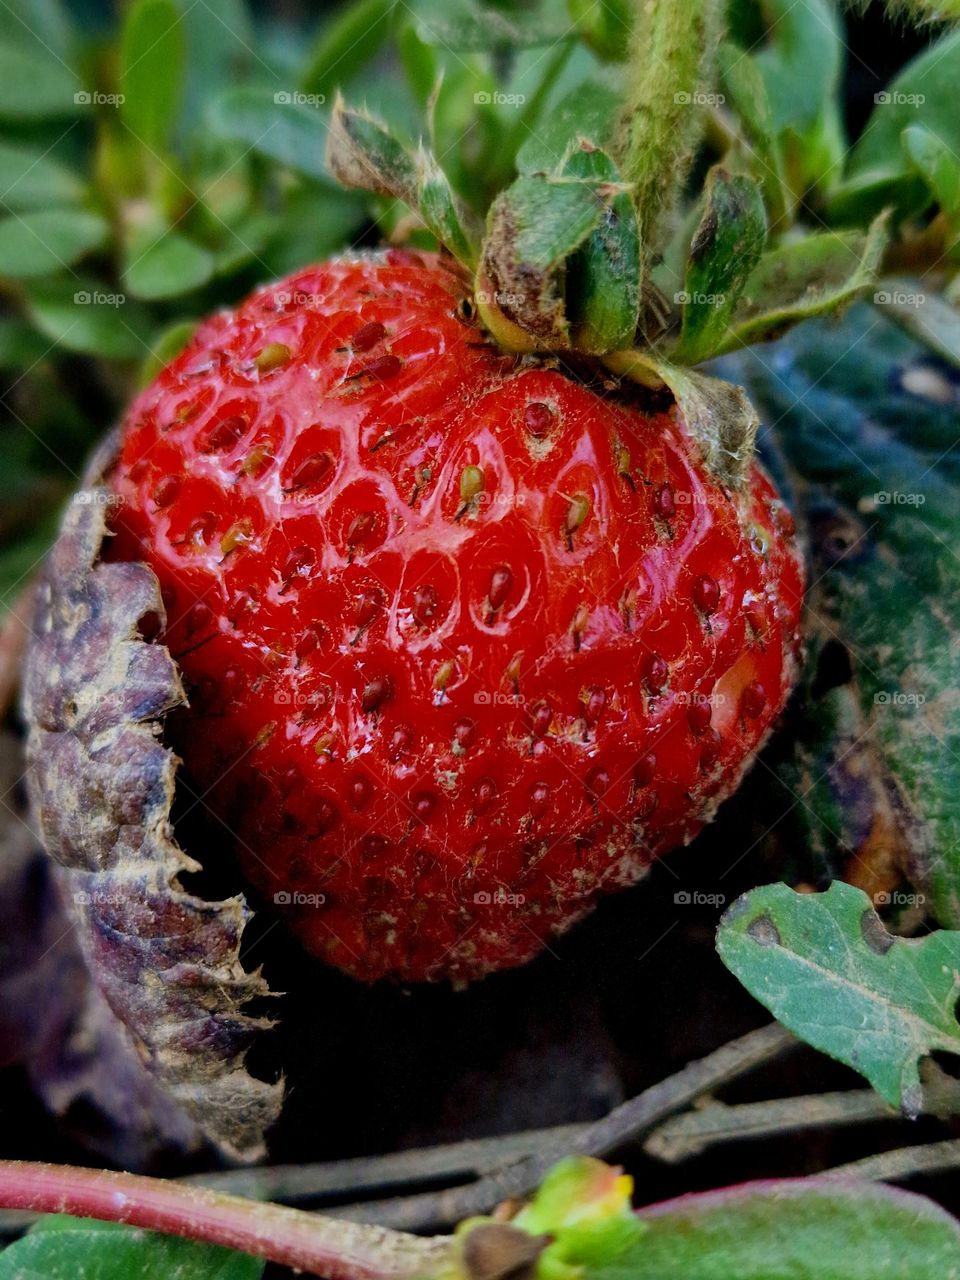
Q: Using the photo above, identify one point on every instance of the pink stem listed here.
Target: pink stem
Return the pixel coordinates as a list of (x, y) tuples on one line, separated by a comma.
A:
[(329, 1247)]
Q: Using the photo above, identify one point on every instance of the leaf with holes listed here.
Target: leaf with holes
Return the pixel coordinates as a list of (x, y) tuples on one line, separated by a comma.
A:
[(826, 967)]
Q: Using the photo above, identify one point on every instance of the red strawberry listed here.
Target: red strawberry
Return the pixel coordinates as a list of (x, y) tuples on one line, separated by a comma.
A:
[(467, 641)]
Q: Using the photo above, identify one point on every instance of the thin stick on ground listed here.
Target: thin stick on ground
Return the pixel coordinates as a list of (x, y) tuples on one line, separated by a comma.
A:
[(693, 1132), (623, 1125), (902, 1163)]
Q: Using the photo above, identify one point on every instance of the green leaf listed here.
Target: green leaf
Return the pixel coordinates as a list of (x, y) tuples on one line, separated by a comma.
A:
[(605, 27), (867, 429), (725, 249), (221, 49), (272, 124), (467, 26), (603, 276), (927, 317), (826, 967), (20, 346), (37, 26), (34, 85), (31, 179), (164, 265), (589, 111), (351, 40), (81, 316), (152, 61), (924, 93), (801, 63), (937, 165), (40, 243), (745, 87), (809, 1229), (67, 1248), (165, 347), (814, 276)]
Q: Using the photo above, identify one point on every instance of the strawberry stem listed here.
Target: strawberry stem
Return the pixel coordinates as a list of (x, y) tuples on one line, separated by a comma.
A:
[(330, 1247), (672, 50)]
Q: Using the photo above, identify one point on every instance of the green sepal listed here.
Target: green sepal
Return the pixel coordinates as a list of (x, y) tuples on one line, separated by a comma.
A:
[(364, 155), (724, 251), (603, 276)]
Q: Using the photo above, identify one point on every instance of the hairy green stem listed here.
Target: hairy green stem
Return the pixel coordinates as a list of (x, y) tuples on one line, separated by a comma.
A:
[(672, 51), (321, 1246)]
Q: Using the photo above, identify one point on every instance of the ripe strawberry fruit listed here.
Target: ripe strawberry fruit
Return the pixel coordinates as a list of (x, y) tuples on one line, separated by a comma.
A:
[(467, 641)]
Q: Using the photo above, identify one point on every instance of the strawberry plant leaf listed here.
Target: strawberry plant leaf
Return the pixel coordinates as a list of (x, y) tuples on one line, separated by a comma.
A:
[(44, 241), (725, 249), (866, 427), (346, 44), (470, 26), (745, 86), (31, 179), (35, 84), (165, 264), (814, 276), (826, 967), (272, 124), (810, 1229), (588, 111), (152, 60), (935, 323), (80, 315), (936, 164), (60, 1248)]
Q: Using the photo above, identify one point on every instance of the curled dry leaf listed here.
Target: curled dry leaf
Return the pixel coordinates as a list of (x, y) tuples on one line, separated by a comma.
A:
[(101, 786)]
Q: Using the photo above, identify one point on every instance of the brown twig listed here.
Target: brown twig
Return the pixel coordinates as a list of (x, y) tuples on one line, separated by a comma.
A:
[(622, 1125), (902, 1163)]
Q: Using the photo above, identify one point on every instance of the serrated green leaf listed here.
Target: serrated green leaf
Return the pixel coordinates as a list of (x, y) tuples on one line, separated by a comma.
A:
[(81, 316), (271, 123), (923, 93), (826, 967), (588, 111), (603, 276), (814, 276), (66, 1248), (351, 40), (165, 264), (42, 242), (724, 251), (31, 179), (809, 1229), (152, 61), (34, 85)]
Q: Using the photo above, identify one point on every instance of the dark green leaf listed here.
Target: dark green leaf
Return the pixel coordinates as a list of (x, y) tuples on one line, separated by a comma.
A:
[(589, 111), (937, 165), (814, 1229), (273, 124), (814, 276), (800, 65), (347, 44), (80, 315), (221, 50), (826, 967), (724, 251), (165, 264), (35, 85), (924, 93), (20, 346), (745, 87), (33, 180), (603, 276), (868, 427), (37, 26), (42, 242), (65, 1249), (152, 61)]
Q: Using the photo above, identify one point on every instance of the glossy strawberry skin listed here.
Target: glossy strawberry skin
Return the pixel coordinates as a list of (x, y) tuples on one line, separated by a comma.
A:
[(466, 641)]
